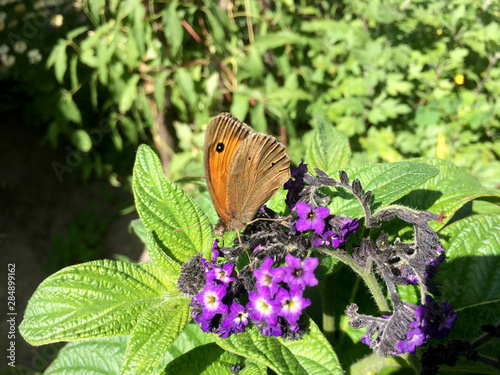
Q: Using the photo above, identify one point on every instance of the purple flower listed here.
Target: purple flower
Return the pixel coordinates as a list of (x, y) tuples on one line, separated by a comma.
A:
[(262, 306), (292, 304), (215, 251), (269, 277), (348, 227), (367, 340), (300, 274), (414, 339), (235, 321), (295, 186), (329, 238), (432, 320), (221, 274), (269, 330), (210, 299), (311, 219), (408, 275)]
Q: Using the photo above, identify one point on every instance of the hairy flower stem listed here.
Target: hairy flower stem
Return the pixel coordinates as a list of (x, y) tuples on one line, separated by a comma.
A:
[(368, 277)]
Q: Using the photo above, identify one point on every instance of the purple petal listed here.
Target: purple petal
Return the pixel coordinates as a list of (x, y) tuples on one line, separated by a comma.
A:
[(321, 212), (303, 210)]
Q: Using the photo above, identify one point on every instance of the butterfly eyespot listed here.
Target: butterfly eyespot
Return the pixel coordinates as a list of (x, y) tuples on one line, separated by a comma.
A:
[(249, 158), (220, 147)]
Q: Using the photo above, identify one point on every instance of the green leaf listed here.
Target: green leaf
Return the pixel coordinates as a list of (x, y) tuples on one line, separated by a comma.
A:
[(96, 7), (129, 94), (204, 201), (172, 270), (137, 227), (185, 85), (274, 40), (165, 207), (328, 149), (104, 356), (447, 192), (76, 32), (387, 182), (159, 93), (473, 254), (91, 300), (73, 75), (287, 94), (68, 107), (59, 59), (312, 354), (191, 337), (155, 331), (81, 140), (258, 119), (240, 106), (205, 360), (174, 32), (470, 275)]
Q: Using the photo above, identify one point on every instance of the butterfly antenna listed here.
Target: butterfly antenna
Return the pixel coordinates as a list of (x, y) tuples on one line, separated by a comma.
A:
[(248, 255), (269, 219)]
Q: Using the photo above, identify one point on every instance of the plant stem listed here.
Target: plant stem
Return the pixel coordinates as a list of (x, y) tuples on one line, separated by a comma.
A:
[(367, 276), (328, 317)]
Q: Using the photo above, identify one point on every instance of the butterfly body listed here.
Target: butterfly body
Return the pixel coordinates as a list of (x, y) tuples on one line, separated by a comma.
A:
[(243, 170)]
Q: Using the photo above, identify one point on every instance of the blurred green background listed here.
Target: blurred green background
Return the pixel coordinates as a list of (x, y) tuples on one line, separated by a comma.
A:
[(399, 78), (83, 83)]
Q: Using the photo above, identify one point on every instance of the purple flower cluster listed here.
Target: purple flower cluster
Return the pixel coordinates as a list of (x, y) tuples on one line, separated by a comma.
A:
[(274, 306), (279, 294), (432, 320), (318, 219)]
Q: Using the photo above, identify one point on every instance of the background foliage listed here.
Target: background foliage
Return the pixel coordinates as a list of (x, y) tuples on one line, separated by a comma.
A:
[(400, 79)]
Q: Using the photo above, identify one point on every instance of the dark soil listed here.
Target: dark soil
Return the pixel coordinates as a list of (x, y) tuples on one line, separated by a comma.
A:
[(35, 206)]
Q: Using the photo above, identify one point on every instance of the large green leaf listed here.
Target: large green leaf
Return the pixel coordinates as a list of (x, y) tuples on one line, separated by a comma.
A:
[(471, 273), (155, 331), (312, 354), (328, 149), (387, 182), (91, 300), (164, 208), (104, 356), (447, 192), (212, 360)]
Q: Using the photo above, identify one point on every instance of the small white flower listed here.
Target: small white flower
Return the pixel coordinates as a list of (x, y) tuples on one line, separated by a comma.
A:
[(8, 60), (20, 46), (4, 48), (57, 20), (34, 56)]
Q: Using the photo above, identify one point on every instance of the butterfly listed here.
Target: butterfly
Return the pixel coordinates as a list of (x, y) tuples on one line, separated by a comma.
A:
[(243, 169)]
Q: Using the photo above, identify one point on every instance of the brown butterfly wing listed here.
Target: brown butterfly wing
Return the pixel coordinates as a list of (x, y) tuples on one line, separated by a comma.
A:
[(224, 135), (257, 170)]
